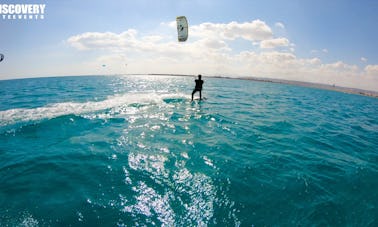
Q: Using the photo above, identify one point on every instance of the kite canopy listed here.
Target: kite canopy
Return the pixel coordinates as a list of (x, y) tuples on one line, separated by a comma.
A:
[(182, 28), (1, 57)]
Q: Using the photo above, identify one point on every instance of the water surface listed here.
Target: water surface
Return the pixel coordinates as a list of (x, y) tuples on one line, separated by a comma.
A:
[(134, 150)]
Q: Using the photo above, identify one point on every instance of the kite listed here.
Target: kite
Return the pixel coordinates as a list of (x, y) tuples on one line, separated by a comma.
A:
[(182, 28)]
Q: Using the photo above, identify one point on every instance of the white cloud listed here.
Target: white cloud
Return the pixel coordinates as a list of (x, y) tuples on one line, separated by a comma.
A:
[(340, 66), (364, 59), (273, 43), (324, 50), (254, 31), (314, 61), (278, 57), (279, 25), (171, 24), (106, 40), (214, 44), (372, 70), (209, 50)]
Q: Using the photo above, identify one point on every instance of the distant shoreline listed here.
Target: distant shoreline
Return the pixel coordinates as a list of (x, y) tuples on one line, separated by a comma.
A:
[(356, 91)]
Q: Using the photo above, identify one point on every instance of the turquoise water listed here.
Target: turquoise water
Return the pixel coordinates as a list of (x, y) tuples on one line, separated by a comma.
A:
[(135, 151)]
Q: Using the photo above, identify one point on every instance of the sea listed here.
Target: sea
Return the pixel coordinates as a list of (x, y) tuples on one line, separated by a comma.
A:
[(134, 150)]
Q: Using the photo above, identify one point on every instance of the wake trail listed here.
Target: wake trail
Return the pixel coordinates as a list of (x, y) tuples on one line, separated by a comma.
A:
[(49, 111)]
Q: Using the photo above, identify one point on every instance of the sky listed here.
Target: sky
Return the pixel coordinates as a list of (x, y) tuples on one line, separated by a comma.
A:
[(321, 41)]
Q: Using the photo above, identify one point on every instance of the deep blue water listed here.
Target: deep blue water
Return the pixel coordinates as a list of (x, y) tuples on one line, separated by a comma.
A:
[(135, 151)]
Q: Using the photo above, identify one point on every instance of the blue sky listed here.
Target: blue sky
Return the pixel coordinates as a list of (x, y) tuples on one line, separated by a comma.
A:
[(321, 41)]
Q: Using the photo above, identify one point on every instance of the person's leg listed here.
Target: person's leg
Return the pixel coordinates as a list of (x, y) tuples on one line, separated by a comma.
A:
[(194, 91), (200, 94)]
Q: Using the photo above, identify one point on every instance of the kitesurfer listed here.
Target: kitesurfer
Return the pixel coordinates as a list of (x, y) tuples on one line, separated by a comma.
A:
[(198, 87)]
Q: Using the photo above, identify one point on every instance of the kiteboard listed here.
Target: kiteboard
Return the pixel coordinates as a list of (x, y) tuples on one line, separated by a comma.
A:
[(198, 99)]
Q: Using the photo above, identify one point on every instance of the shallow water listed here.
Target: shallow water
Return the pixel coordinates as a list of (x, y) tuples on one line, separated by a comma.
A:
[(135, 150)]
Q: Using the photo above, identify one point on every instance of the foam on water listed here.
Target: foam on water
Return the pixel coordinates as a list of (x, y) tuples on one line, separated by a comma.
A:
[(66, 108)]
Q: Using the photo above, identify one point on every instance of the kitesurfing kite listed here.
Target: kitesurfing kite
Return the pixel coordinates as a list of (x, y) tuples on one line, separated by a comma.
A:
[(182, 28), (1, 57)]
